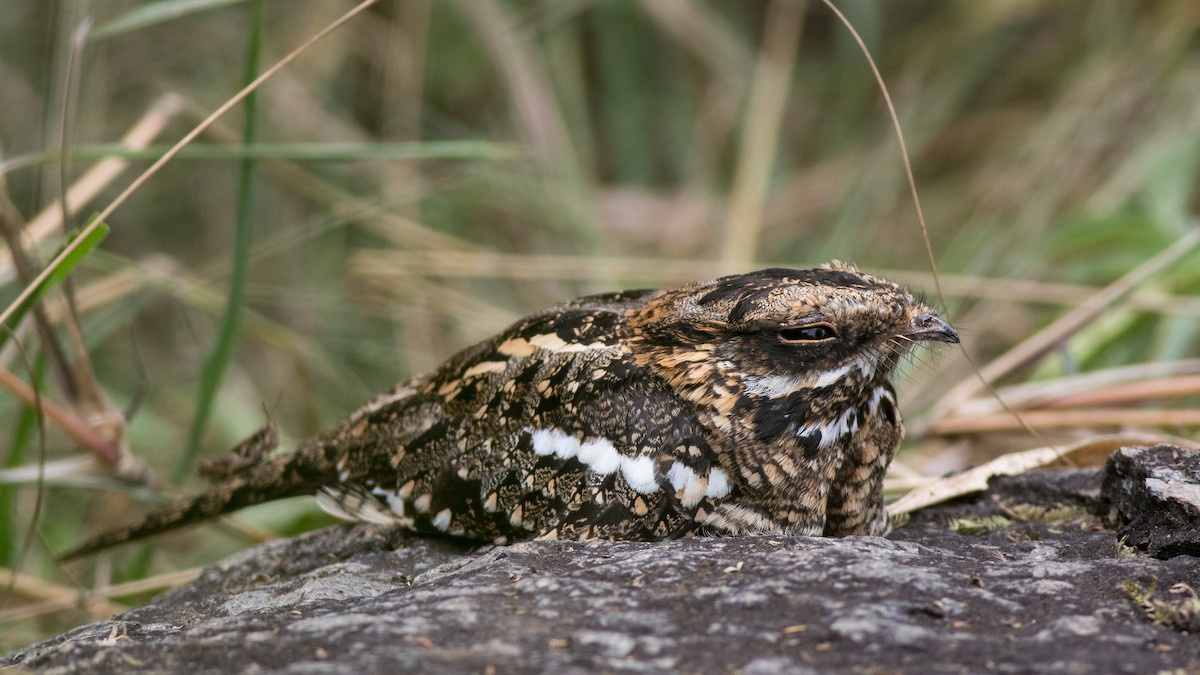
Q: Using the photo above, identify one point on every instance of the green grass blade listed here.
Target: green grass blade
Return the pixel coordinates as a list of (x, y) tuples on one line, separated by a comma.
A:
[(222, 352), (155, 13), (337, 152), (312, 152), (23, 434), (65, 260)]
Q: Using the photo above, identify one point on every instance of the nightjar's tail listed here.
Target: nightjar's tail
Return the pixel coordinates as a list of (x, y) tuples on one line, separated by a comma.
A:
[(299, 472)]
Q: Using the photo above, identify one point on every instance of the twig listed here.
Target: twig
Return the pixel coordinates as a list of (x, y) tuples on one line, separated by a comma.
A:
[(78, 429)]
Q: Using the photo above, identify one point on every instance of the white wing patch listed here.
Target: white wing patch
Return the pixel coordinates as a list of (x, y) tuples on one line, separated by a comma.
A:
[(688, 486), (421, 504), (395, 502), (691, 488), (639, 473), (599, 454), (718, 483), (554, 442), (442, 520)]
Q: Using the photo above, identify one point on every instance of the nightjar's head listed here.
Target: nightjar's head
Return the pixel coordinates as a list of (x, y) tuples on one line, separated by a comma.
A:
[(776, 332)]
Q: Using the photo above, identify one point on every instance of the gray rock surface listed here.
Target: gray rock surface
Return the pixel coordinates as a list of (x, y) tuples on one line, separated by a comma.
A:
[(1156, 492), (1041, 589)]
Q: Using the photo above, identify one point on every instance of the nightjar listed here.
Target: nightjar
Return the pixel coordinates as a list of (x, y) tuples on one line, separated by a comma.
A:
[(754, 403)]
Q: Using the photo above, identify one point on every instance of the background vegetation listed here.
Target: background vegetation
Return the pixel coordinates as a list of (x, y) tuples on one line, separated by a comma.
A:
[(434, 170)]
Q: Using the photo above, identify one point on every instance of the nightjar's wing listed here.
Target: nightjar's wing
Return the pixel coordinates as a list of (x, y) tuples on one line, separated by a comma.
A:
[(548, 430)]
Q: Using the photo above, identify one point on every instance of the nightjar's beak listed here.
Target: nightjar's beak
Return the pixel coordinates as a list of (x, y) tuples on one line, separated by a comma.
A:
[(930, 326)]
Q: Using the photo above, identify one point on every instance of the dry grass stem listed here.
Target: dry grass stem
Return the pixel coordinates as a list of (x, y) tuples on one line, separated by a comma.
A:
[(227, 106), (760, 139), (402, 230), (702, 33), (463, 263), (1133, 392), (53, 598), (81, 430), (539, 119), (1090, 452), (40, 597), (1144, 380), (1094, 418), (1037, 345), (97, 178)]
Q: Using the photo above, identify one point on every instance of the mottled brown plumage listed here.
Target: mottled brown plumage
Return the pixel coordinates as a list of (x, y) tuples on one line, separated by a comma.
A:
[(756, 403)]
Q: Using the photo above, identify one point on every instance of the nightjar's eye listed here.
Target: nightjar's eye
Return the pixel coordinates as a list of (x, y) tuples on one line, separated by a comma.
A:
[(813, 332)]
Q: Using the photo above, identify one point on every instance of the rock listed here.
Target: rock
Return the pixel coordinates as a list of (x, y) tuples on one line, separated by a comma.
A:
[(1156, 494), (1044, 588)]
